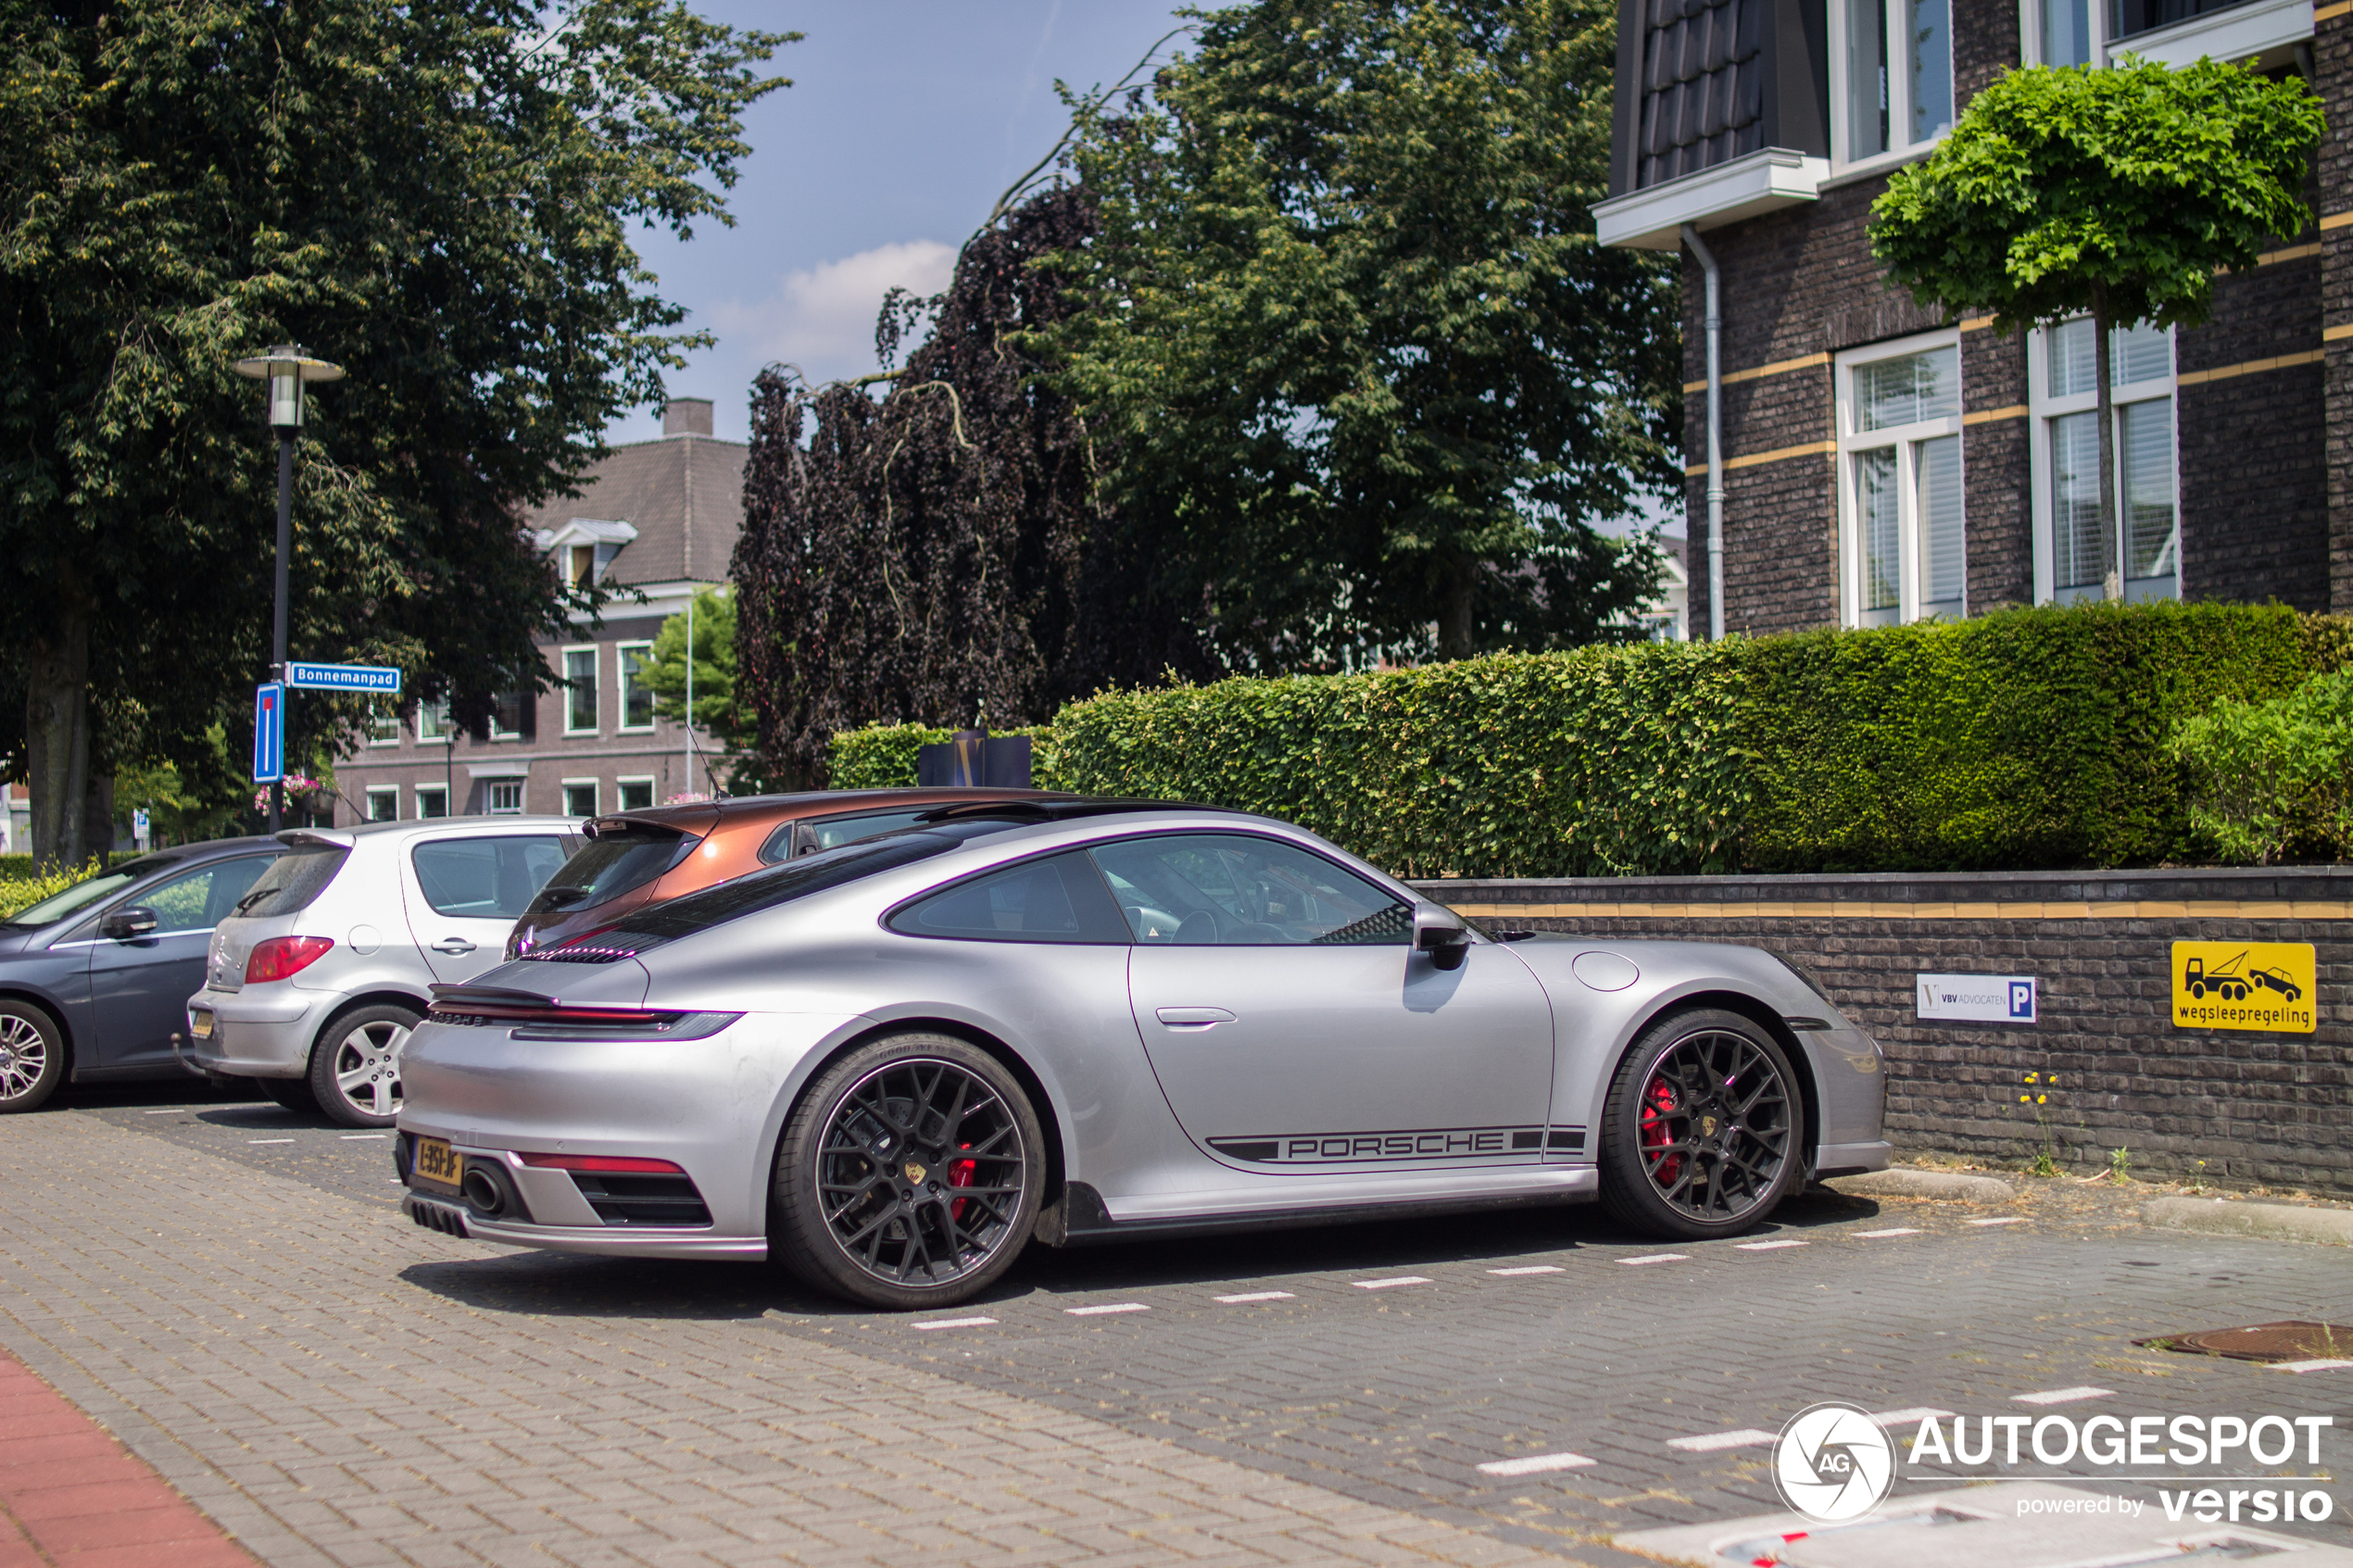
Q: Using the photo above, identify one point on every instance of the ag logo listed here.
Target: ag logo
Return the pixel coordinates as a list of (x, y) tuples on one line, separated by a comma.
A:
[(1834, 1463)]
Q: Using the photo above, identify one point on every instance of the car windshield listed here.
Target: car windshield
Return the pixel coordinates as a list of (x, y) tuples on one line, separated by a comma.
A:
[(293, 880), (86, 891), (615, 862), (647, 928)]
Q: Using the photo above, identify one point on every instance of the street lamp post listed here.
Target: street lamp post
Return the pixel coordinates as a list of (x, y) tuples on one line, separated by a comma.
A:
[(287, 368)]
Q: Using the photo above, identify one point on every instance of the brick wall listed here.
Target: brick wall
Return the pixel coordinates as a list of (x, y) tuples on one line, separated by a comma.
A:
[(2333, 62), (2256, 1107)]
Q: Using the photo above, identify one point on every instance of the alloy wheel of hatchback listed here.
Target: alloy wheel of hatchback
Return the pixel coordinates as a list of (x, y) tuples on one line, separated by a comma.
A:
[(354, 1069), (1701, 1132), (908, 1176), (32, 1059)]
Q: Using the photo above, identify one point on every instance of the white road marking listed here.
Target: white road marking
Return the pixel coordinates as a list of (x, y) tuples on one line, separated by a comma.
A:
[(2013, 1220), (1534, 1464), (1874, 1236), (1747, 1437), (1107, 1306), (2309, 1366), (1905, 1418), (1535, 1269), (1656, 1257), (1765, 1246), (954, 1322), (1254, 1296), (348, 1137), (1389, 1284), (2062, 1396), (269, 1140)]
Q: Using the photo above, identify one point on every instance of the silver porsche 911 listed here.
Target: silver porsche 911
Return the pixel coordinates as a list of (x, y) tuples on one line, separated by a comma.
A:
[(893, 1064)]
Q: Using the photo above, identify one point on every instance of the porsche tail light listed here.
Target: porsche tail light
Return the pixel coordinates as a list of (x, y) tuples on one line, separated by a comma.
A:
[(546, 1019), (282, 957)]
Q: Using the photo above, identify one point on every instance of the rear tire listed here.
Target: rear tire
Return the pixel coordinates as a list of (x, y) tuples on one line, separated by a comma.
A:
[(355, 1068), (1702, 1133), (32, 1055), (908, 1176)]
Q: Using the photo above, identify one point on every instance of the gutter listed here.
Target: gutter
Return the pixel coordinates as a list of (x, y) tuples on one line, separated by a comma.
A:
[(1714, 323)]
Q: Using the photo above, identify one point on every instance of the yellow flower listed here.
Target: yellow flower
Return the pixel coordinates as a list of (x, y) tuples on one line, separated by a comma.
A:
[(2040, 1099), (2022, 1099), (2029, 1077)]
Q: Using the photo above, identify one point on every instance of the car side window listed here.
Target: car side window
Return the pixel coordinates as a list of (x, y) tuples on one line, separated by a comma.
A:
[(200, 900), (486, 878), (1058, 898), (1238, 890), (811, 837)]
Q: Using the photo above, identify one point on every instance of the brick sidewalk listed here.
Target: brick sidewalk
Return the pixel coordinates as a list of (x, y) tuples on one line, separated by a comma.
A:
[(266, 1347), (71, 1497)]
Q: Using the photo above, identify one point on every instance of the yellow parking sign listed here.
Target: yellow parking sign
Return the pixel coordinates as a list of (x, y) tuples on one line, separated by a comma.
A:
[(2261, 986)]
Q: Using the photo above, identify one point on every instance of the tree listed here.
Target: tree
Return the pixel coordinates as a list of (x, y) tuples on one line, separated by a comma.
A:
[(719, 712), (2117, 192), (1350, 333), (946, 555), (438, 197)]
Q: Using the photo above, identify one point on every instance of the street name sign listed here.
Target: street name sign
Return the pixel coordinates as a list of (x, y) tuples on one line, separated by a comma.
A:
[(373, 678), (268, 733)]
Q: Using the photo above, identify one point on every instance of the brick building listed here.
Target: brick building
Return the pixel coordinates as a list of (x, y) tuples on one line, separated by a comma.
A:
[(659, 516), (1883, 464)]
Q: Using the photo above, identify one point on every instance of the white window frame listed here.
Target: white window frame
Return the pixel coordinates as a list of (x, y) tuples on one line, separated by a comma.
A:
[(497, 701), (621, 652), (384, 716), (1906, 439), (441, 790), (596, 788), (1900, 148), (433, 720), (490, 797), (622, 783), (382, 790), (2030, 26), (2041, 409), (595, 687)]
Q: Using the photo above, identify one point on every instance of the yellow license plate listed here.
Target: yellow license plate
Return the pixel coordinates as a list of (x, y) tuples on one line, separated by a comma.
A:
[(200, 1025), (437, 1164)]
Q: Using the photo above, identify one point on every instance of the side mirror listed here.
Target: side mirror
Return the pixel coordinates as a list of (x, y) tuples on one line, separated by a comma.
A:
[(1440, 932), (124, 924)]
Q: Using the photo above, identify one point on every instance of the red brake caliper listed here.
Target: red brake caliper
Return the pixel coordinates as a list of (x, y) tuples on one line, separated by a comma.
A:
[(960, 1175), (1659, 1104)]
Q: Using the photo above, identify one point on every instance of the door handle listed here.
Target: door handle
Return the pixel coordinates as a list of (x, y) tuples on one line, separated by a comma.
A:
[(453, 946), (1193, 1017)]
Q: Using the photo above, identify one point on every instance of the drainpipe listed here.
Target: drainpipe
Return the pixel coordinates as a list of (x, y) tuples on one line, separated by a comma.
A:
[(1715, 439)]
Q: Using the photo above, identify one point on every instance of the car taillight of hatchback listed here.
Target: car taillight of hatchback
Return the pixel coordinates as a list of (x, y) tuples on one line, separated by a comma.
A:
[(282, 957)]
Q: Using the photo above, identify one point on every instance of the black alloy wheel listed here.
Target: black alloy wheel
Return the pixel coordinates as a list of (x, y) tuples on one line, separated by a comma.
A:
[(1703, 1130), (909, 1174)]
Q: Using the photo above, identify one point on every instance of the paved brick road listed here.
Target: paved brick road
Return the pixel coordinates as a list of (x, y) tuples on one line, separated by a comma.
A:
[(330, 1380)]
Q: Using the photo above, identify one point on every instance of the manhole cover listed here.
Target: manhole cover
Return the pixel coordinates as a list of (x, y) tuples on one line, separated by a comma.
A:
[(2295, 1340)]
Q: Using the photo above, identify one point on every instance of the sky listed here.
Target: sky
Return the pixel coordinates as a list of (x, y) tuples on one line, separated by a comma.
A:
[(905, 120)]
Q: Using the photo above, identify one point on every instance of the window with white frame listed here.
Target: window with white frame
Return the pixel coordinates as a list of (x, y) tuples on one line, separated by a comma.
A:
[(1896, 87), (1899, 481), (383, 722), (433, 801), (511, 714), (635, 795), (636, 697), (433, 720), (580, 797), (580, 693), (383, 805), (2069, 34), (506, 797), (2063, 399)]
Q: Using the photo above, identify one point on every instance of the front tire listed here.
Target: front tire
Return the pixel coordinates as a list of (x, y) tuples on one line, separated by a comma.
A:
[(908, 1176), (1701, 1135), (32, 1055), (355, 1068)]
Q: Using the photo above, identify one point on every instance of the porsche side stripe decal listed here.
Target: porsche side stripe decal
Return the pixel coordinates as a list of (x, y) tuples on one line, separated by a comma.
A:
[(1418, 1143)]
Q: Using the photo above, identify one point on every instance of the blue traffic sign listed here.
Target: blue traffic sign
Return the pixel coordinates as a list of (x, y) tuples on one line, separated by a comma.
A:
[(268, 733), (344, 678)]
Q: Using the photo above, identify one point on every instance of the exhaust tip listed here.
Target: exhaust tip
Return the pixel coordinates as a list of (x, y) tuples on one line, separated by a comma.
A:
[(482, 1193)]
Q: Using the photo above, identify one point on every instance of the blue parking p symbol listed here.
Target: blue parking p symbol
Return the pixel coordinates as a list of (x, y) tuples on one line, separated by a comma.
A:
[(2022, 999)]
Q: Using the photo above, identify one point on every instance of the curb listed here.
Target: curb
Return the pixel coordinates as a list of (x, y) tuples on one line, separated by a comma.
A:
[(1949, 1185), (2280, 1222)]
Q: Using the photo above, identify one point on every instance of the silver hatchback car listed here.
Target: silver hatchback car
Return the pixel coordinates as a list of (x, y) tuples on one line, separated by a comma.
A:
[(312, 986)]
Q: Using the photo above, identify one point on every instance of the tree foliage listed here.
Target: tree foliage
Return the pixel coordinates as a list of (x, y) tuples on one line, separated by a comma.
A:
[(946, 554), (1353, 339), (436, 196), (721, 709)]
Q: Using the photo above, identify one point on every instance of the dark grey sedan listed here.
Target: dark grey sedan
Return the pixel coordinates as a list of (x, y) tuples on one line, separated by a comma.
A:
[(95, 981)]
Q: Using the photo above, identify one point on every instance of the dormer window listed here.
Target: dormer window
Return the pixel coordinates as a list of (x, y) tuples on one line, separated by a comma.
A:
[(1897, 58), (584, 566)]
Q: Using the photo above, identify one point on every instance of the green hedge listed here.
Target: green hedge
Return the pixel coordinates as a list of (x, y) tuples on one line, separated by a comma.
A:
[(2023, 739), (884, 756)]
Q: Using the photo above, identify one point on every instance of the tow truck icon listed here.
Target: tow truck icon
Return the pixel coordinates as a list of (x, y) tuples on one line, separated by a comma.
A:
[(2227, 981)]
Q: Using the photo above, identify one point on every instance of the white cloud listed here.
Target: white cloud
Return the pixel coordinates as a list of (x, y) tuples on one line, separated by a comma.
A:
[(822, 317)]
